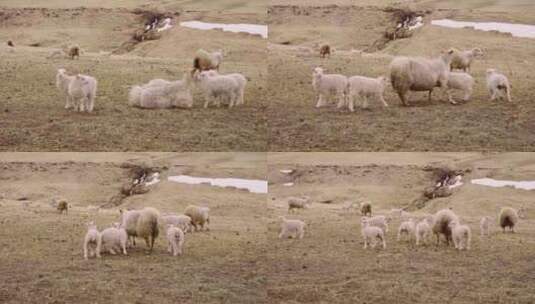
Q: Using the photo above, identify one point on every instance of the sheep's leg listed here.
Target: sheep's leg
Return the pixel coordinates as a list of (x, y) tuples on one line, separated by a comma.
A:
[(282, 234), (301, 234), (384, 242), (232, 99), (169, 247), (85, 250), (91, 103), (123, 247), (365, 242), (382, 99), (404, 98), (467, 95), (68, 102), (320, 101), (351, 102), (399, 236), (341, 100), (492, 95), (508, 92), (364, 102)]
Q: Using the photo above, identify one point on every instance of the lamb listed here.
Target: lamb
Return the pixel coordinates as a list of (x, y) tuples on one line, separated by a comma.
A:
[(371, 233), (295, 203), (496, 83), (326, 84), (406, 227), (114, 238), (175, 240), (420, 74), (366, 209), (200, 218), (365, 87), (205, 61), (325, 50), (162, 94), (73, 51), (461, 234), (379, 221), (484, 226), (240, 79), (62, 83), (423, 230), (62, 206), (82, 92), (215, 87), (508, 217), (181, 221), (292, 228), (463, 59), (92, 241), (463, 82), (441, 222)]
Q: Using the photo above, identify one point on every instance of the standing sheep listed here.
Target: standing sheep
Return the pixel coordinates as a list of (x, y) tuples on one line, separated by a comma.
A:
[(366, 209), (423, 230), (420, 74), (73, 51), (406, 227), (365, 87), (463, 82), (181, 221), (441, 224), (461, 235), (62, 83), (371, 233), (200, 217), (484, 226), (162, 94), (462, 60), (379, 221), (92, 241), (205, 61), (114, 239), (508, 217), (240, 79), (62, 206), (496, 83), (327, 84), (217, 87), (82, 91), (147, 226), (325, 50), (175, 240), (295, 203), (129, 219), (292, 228)]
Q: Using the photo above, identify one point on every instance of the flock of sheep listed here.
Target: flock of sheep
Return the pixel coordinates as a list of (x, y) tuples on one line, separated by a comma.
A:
[(80, 90), (410, 74), (374, 228), (145, 224)]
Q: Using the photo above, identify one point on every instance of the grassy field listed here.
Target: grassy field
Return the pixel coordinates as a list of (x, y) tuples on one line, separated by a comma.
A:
[(32, 117), (296, 125), (41, 257), (330, 265)]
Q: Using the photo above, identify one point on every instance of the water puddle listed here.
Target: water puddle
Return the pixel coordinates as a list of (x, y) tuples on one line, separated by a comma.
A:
[(287, 171), (252, 185), (516, 29), (525, 185), (288, 184), (255, 29)]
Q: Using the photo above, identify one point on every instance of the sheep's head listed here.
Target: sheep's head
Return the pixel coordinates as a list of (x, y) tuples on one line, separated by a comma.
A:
[(364, 221), (521, 212), (91, 225), (317, 72), (447, 56), (491, 71), (116, 225), (62, 71), (452, 224), (477, 52)]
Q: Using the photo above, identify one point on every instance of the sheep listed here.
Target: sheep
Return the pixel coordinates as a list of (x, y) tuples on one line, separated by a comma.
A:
[(365, 87), (461, 235), (508, 217), (181, 221), (92, 241), (74, 51), (175, 240), (400, 213), (423, 230), (406, 227), (147, 226), (10, 43), (292, 228), (325, 50), (129, 219), (326, 84), (379, 221), (463, 82), (82, 92), (441, 221), (295, 203), (240, 79), (371, 233), (496, 83), (205, 61), (215, 87), (62, 206), (484, 225), (162, 94), (366, 209), (114, 238), (62, 83), (420, 74), (462, 60), (200, 218)]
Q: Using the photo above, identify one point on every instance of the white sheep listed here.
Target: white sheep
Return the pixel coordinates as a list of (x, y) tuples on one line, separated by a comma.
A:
[(295, 203), (162, 94), (399, 213), (114, 239), (181, 221), (205, 61), (496, 84), (218, 87), (62, 83), (92, 241), (200, 217), (371, 233), (128, 221), (327, 84), (175, 240), (441, 222), (82, 91), (508, 217), (463, 59), (420, 74), (423, 230), (365, 87), (484, 225), (463, 82), (292, 228), (406, 227), (240, 79), (379, 221), (461, 235), (141, 223)]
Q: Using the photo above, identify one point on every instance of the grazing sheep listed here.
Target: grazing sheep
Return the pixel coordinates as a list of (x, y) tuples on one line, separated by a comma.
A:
[(420, 74), (62, 83), (295, 203), (240, 79), (200, 218), (327, 84), (406, 227), (461, 235), (484, 226), (175, 240), (325, 50), (463, 82), (462, 60), (74, 51), (441, 222), (496, 83), (292, 228), (181, 221), (379, 221), (92, 241), (423, 230), (217, 87), (114, 239), (162, 94), (129, 219), (82, 92), (62, 206), (366, 209), (365, 87), (205, 61), (371, 233), (147, 226), (508, 217)]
